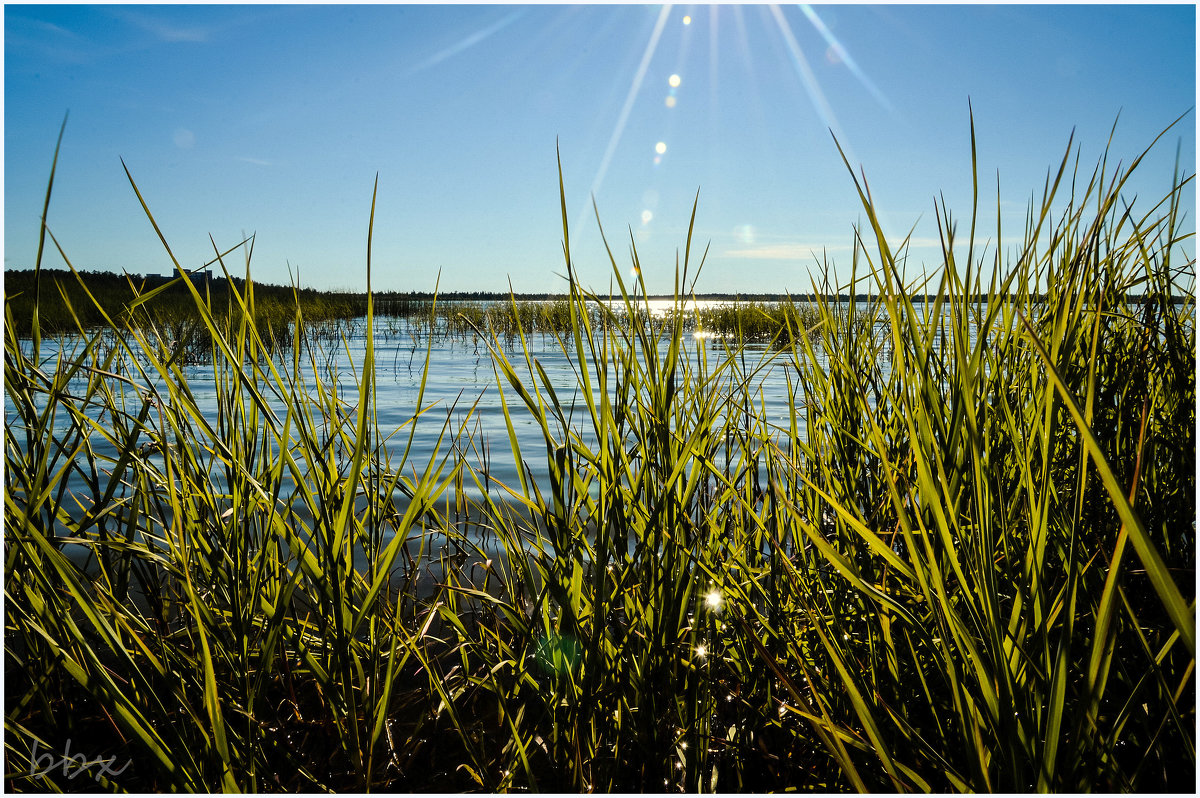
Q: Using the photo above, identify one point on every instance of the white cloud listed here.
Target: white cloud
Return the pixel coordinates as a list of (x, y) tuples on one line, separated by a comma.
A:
[(799, 251), (255, 161), (164, 31), (184, 138), (809, 251), (50, 27), (916, 242)]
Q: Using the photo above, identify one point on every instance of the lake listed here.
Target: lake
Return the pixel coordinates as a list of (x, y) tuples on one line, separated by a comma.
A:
[(463, 406)]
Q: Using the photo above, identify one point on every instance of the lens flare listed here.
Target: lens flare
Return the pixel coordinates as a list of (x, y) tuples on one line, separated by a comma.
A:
[(673, 81), (660, 147), (647, 215), (623, 117), (687, 20), (805, 73), (837, 54), (557, 653), (670, 102)]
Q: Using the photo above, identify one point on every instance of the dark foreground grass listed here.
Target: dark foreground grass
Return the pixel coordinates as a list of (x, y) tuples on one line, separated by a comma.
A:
[(964, 562)]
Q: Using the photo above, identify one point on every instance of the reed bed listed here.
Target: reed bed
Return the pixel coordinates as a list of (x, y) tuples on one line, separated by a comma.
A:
[(775, 323), (965, 561), (66, 301)]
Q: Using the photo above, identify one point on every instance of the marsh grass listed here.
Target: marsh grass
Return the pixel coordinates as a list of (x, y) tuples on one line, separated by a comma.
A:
[(964, 561), (774, 323), (67, 301)]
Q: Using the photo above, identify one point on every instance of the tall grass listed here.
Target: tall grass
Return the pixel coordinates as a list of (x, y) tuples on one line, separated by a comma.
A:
[(213, 602), (64, 302), (775, 323), (963, 561)]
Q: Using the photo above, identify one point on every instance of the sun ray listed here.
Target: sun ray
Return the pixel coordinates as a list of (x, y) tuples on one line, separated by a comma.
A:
[(743, 40), (805, 73), (836, 45), (712, 53), (714, 115), (619, 128), (811, 86), (466, 43)]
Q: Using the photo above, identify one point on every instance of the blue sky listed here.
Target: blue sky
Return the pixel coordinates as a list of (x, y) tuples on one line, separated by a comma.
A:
[(275, 120)]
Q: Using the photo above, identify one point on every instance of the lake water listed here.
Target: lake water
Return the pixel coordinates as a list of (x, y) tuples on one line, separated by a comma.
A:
[(460, 387), (460, 394)]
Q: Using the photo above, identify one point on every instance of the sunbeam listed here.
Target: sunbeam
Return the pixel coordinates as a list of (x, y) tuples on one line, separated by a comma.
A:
[(466, 43), (804, 71), (713, 60), (844, 55), (623, 117)]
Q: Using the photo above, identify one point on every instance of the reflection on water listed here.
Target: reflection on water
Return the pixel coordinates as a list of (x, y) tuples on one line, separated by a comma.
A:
[(465, 407), (461, 390), (454, 383)]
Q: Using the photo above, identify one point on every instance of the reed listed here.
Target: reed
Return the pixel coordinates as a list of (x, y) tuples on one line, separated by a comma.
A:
[(963, 561), (66, 300), (775, 323), (948, 571)]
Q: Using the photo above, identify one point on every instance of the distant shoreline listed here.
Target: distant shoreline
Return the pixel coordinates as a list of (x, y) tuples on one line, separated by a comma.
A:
[(20, 279)]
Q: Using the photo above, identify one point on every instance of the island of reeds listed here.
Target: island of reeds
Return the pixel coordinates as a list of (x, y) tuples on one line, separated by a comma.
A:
[(965, 561)]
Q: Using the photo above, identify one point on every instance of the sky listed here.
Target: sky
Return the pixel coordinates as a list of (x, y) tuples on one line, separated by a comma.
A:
[(277, 120)]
